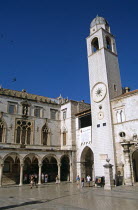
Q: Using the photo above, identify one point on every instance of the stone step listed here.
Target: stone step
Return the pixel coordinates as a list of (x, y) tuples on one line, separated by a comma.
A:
[(8, 179)]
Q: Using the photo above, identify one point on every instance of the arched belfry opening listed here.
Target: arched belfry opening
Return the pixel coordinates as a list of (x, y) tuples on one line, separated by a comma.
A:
[(87, 160), (95, 45), (135, 165), (108, 43), (65, 168)]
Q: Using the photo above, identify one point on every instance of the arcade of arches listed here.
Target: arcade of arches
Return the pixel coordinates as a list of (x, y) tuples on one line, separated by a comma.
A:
[(15, 169)]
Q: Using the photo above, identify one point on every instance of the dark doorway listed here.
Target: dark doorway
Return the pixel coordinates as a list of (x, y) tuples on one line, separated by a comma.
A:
[(30, 167), (50, 168), (11, 171), (87, 162), (135, 165), (65, 168)]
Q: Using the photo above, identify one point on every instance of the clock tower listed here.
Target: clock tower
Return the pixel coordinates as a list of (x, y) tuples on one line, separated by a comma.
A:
[(105, 84)]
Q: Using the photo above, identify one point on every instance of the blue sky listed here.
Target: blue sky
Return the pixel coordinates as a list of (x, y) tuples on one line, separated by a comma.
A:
[(42, 44)]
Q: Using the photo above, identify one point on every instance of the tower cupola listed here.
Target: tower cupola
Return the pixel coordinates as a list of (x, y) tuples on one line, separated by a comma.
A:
[(97, 23)]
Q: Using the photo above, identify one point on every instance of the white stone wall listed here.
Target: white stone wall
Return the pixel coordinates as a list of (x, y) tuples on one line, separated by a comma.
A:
[(129, 125)]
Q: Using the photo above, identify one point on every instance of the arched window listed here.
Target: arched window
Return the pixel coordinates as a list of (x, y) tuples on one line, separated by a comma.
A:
[(108, 43), (1, 131), (122, 116), (64, 138), (95, 45), (44, 135), (23, 132)]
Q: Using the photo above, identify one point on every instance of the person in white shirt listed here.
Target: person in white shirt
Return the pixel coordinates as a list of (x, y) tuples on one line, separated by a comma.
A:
[(88, 178)]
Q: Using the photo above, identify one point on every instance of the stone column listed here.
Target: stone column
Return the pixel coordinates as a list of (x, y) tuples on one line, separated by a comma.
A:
[(71, 172), (21, 174), (59, 172), (127, 165), (39, 176), (1, 172), (108, 171)]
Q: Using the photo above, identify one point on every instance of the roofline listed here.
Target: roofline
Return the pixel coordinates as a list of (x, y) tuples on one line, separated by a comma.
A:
[(125, 95), (83, 112)]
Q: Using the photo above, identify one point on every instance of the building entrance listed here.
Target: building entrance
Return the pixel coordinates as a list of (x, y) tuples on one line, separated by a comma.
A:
[(50, 168), (30, 167), (11, 170), (87, 163), (65, 169), (135, 165)]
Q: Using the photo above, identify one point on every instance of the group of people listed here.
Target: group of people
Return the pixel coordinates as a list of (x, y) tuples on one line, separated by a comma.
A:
[(33, 179), (88, 180), (44, 178)]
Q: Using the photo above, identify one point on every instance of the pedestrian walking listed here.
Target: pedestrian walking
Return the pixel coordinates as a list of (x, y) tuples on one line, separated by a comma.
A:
[(57, 179), (78, 180), (31, 181), (88, 178), (42, 177), (46, 178), (82, 182), (35, 180)]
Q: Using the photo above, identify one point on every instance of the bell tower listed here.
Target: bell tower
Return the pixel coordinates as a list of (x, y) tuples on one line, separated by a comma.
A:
[(105, 84)]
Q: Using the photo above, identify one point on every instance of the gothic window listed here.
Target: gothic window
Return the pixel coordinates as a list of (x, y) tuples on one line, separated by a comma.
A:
[(120, 116), (23, 132), (1, 130), (64, 138), (44, 135), (95, 45), (108, 43)]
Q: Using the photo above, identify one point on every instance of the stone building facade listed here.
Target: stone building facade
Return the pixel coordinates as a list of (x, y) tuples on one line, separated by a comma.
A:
[(37, 136), (40, 135)]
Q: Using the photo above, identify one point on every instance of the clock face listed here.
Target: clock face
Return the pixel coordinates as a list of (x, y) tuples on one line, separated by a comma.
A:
[(99, 92)]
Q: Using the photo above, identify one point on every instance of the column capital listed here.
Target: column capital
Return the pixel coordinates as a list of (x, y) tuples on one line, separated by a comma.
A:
[(40, 164), (59, 164)]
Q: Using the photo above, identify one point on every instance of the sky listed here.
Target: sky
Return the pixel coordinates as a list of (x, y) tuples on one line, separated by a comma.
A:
[(43, 44)]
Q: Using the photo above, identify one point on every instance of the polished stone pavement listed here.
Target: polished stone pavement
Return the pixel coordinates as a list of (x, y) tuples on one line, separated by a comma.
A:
[(68, 196)]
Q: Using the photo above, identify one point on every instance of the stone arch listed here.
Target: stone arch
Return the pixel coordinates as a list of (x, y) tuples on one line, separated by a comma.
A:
[(95, 44), (31, 162), (13, 155), (11, 169), (135, 164), (87, 160), (31, 156), (108, 43), (49, 167), (65, 167), (3, 130)]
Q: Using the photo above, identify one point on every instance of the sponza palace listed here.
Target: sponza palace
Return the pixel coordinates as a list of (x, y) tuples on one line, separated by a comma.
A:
[(40, 135)]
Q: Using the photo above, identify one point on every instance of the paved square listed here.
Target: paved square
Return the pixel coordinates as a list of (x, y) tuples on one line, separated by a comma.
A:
[(67, 196)]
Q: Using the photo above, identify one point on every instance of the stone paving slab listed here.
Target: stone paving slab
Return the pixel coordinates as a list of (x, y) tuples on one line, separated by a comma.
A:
[(67, 196)]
